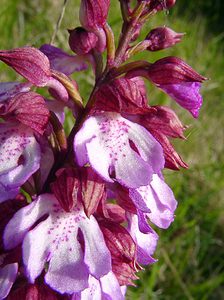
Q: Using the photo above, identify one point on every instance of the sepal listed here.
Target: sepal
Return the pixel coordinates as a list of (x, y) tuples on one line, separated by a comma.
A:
[(29, 62)]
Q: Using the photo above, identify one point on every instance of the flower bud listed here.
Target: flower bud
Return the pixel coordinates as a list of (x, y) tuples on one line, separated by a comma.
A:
[(81, 41), (93, 13), (161, 5), (162, 37)]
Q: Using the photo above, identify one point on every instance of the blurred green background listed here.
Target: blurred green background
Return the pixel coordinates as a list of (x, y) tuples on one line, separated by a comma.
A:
[(191, 252)]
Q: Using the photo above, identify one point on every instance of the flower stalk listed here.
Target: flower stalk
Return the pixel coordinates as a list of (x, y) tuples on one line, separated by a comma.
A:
[(83, 229)]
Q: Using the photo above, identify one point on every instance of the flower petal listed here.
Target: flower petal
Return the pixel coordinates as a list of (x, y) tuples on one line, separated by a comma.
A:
[(34, 258), (7, 277), (29, 62), (97, 255), (110, 287), (58, 108), (159, 200), (61, 61), (146, 243), (19, 157), (93, 292), (186, 94), (165, 202), (117, 148), (30, 109), (24, 219)]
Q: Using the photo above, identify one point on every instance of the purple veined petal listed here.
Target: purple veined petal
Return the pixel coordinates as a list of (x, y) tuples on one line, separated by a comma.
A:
[(96, 256), (146, 243), (63, 62), (29, 62), (93, 292), (19, 157), (158, 198), (7, 277), (10, 89), (110, 287), (104, 142), (186, 94), (24, 219)]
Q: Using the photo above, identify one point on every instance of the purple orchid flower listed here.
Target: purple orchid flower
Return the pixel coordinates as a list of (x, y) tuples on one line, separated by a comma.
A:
[(73, 244), (19, 158), (118, 150)]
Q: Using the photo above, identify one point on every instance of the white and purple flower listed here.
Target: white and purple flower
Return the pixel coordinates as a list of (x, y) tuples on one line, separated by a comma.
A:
[(71, 243), (118, 150)]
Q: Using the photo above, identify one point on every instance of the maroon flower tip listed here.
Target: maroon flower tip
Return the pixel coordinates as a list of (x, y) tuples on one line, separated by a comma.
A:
[(162, 37), (30, 109), (122, 95), (81, 41), (93, 13), (92, 190), (118, 240), (66, 188), (171, 70), (78, 185), (29, 62), (125, 201), (173, 160), (123, 251), (164, 120)]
